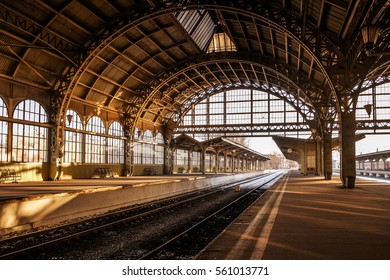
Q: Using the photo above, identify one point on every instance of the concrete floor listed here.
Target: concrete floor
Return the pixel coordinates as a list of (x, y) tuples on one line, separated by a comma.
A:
[(28, 189), (308, 218)]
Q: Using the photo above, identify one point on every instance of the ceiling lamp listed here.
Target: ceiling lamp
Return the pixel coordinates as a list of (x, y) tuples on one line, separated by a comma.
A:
[(69, 118), (368, 108), (370, 34)]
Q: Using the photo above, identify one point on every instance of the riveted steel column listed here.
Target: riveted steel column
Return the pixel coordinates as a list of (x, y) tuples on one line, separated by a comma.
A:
[(189, 163), (203, 160), (129, 148), (225, 157), (168, 157), (216, 161), (327, 153), (348, 149), (319, 168), (57, 139), (304, 159)]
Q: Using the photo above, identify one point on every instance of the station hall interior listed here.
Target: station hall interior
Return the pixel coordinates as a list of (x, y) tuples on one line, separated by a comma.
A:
[(125, 88)]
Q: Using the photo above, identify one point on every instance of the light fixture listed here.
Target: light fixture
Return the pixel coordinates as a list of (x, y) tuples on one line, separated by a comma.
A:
[(370, 34), (368, 108), (69, 118)]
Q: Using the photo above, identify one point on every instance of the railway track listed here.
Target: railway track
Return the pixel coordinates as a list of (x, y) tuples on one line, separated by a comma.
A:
[(190, 241), (28, 246)]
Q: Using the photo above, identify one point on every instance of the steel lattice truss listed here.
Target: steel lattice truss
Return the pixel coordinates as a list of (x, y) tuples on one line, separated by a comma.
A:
[(246, 130), (136, 59), (243, 129)]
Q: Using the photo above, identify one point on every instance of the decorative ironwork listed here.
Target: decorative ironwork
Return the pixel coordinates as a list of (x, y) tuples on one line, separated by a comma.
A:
[(56, 135), (59, 45), (322, 50), (165, 86), (243, 129)]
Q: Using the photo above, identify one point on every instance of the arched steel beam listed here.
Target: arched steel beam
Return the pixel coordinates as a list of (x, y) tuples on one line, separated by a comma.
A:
[(313, 41), (289, 76), (68, 50)]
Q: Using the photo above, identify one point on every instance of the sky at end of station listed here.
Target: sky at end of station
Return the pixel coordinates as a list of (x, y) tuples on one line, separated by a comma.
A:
[(370, 144), (264, 145)]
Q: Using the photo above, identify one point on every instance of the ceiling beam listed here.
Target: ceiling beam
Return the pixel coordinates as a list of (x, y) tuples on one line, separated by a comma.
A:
[(29, 65), (97, 12), (258, 35), (79, 25), (67, 49), (321, 14)]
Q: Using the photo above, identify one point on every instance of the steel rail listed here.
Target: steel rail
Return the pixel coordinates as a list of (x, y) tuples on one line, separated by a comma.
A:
[(191, 196), (201, 223)]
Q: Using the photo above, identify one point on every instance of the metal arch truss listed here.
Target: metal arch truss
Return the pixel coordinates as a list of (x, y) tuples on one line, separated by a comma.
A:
[(244, 130), (66, 49), (306, 111), (322, 49), (212, 73), (373, 126), (247, 130)]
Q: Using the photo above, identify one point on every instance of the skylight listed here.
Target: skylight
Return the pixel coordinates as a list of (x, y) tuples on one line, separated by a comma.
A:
[(221, 43), (198, 24)]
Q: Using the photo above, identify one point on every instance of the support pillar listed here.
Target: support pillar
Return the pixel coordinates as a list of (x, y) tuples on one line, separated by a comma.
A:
[(216, 161), (225, 158), (129, 147), (168, 158), (189, 163), (304, 159), (319, 169), (203, 160), (348, 149), (56, 153), (327, 153), (57, 138)]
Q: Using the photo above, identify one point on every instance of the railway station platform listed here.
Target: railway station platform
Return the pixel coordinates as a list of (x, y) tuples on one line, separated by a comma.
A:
[(308, 218), (28, 205)]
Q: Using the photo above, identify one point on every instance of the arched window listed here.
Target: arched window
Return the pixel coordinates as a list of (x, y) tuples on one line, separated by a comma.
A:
[(137, 153), (148, 148), (29, 143), (181, 157), (159, 138), (244, 106), (116, 146), (137, 149), (95, 145), (148, 136), (3, 132), (73, 138), (159, 149), (137, 134), (196, 159)]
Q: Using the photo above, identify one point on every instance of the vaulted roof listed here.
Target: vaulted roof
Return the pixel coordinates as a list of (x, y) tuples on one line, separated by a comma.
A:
[(148, 60)]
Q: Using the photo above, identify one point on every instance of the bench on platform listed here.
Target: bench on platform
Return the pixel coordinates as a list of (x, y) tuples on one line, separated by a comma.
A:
[(10, 175), (103, 173), (149, 171), (181, 170)]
